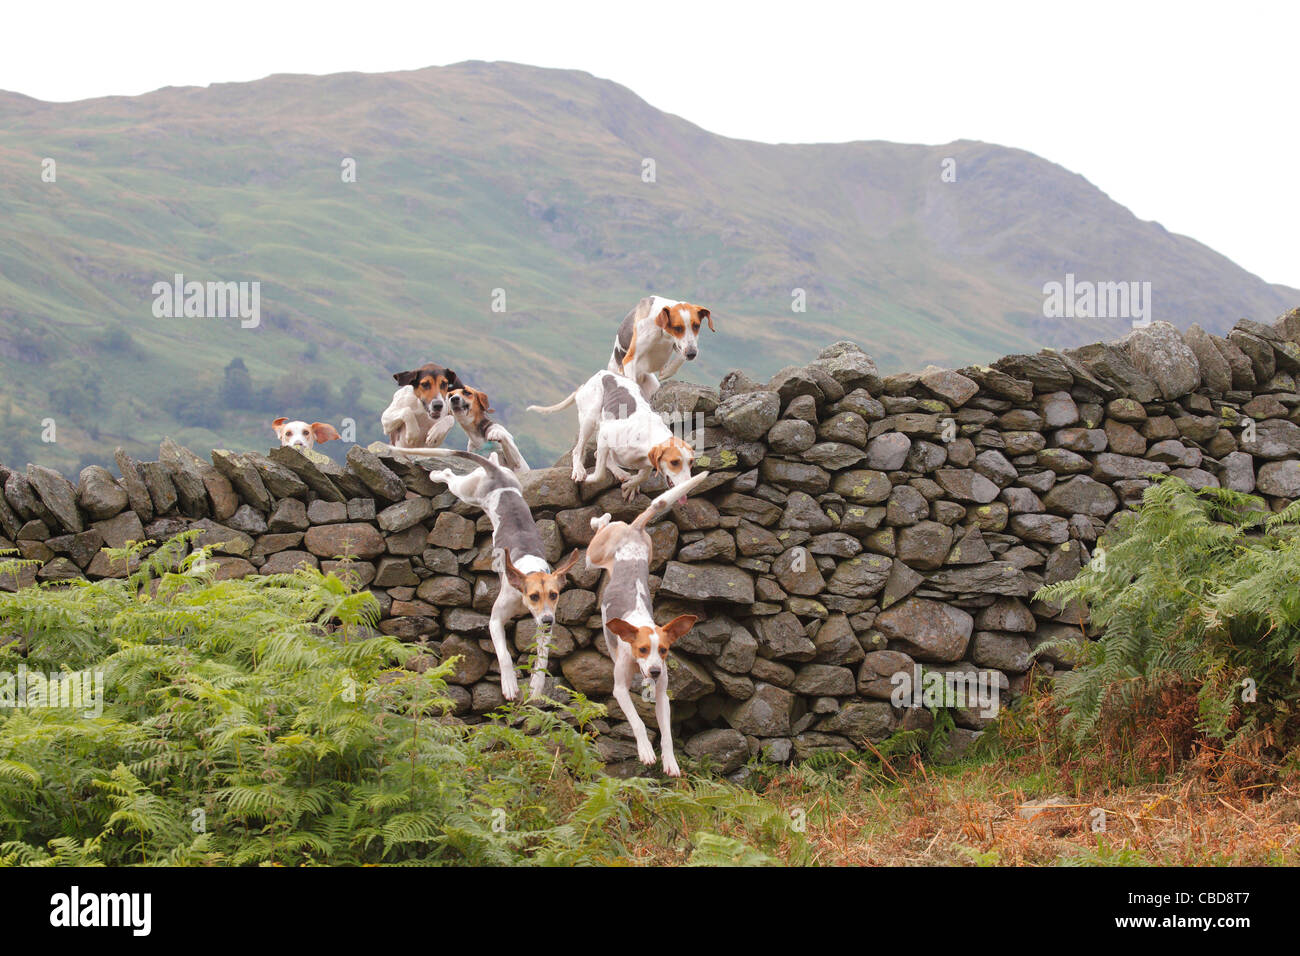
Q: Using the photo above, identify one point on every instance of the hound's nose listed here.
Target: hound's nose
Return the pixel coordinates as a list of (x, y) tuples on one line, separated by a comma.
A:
[(548, 619), (436, 404), (691, 353), (655, 672)]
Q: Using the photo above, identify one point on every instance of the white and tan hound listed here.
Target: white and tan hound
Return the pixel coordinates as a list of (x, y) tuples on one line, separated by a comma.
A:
[(635, 642), (470, 407), (302, 435), (655, 338), (630, 435), (419, 416), (528, 582)]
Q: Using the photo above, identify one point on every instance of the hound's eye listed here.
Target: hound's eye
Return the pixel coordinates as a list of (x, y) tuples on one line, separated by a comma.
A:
[(696, 325), (642, 652), (534, 597), (553, 595)]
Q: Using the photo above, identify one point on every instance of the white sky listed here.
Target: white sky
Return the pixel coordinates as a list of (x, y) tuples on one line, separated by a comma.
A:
[(1184, 112)]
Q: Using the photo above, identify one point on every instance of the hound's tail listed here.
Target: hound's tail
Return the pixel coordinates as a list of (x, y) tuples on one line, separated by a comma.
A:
[(446, 453), (668, 499), (547, 409)]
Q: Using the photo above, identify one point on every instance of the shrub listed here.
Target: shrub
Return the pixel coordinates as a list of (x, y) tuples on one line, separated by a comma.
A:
[(1195, 592), (259, 720)]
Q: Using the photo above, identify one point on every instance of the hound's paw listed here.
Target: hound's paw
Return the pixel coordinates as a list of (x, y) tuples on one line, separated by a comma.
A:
[(645, 753), (509, 686), (670, 766), (629, 491), (598, 523), (579, 473), (537, 685)]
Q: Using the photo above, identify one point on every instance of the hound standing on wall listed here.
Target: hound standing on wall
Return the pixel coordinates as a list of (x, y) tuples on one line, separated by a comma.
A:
[(655, 338), (635, 642), (528, 583)]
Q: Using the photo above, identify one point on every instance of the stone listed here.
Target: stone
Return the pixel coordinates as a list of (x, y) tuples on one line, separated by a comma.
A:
[(929, 630), (1043, 528), (861, 720), (966, 485), (1274, 438), (782, 637), (99, 494), (473, 662), (452, 531), (924, 545), (375, 475), (1159, 353), (1058, 409), (795, 475), (790, 436), (888, 451), (1279, 478), (749, 415), (846, 427), (707, 582), (769, 712), (1006, 614), (1081, 495), (353, 540), (57, 494), (992, 577), (1006, 652), (862, 486), (137, 491), (1215, 372), (906, 506), (220, 538), (235, 468), (1238, 472), (247, 520), (953, 387), (824, 680), (802, 513), (860, 577), (290, 514), (797, 572), (722, 750), (284, 562)]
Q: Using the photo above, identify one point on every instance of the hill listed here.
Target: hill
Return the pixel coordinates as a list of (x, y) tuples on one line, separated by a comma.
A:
[(481, 177)]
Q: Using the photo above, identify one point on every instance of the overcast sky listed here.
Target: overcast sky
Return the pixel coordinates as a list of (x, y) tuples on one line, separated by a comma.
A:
[(1184, 112)]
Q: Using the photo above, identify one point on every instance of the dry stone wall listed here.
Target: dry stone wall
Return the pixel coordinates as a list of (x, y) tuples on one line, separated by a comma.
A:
[(853, 526)]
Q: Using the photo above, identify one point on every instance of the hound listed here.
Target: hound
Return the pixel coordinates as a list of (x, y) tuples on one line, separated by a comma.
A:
[(528, 582), (630, 435), (301, 435), (418, 415), (655, 338), (634, 640), (470, 408)]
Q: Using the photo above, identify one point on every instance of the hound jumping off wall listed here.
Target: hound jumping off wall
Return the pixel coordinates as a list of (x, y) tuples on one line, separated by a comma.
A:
[(635, 642), (630, 435), (655, 338), (528, 583)]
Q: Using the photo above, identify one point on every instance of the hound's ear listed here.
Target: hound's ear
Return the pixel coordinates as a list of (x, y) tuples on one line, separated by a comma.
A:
[(483, 401), (677, 628), (654, 454), (567, 564), (664, 318), (514, 576), (324, 432), (278, 425), (622, 629), (708, 317), (406, 378), (451, 379)]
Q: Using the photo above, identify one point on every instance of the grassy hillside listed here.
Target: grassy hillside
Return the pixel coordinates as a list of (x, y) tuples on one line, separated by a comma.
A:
[(479, 177)]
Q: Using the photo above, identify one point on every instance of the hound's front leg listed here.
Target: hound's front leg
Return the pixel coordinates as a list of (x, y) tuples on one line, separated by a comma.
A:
[(663, 715), (649, 383), (501, 613), (538, 682), (633, 484), (438, 432), (622, 679), (674, 363), (585, 428)]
